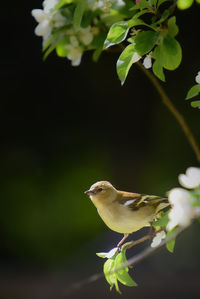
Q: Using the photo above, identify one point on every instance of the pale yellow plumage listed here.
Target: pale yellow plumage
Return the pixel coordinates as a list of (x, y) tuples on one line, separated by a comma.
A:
[(124, 212)]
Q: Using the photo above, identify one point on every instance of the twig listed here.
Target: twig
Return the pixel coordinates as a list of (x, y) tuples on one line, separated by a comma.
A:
[(131, 262), (168, 103)]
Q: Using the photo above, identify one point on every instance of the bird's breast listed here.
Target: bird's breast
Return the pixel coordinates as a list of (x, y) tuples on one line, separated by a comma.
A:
[(122, 219)]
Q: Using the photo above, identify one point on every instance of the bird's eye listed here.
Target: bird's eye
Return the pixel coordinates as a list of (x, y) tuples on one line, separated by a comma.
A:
[(99, 190)]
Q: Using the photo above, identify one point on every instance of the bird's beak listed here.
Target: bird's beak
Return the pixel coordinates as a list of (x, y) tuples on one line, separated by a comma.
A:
[(89, 192)]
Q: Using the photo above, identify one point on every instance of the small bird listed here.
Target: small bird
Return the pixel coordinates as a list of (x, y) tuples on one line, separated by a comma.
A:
[(125, 212)]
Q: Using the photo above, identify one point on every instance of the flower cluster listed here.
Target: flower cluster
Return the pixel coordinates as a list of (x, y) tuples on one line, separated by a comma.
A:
[(185, 204), (47, 19), (182, 201), (51, 20)]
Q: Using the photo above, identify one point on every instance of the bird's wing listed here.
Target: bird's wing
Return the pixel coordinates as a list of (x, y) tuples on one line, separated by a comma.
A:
[(135, 200)]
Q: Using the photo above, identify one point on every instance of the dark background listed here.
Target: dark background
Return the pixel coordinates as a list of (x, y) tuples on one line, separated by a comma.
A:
[(64, 128)]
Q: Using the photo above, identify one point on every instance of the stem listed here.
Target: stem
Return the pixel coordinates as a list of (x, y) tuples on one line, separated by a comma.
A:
[(168, 103), (131, 262)]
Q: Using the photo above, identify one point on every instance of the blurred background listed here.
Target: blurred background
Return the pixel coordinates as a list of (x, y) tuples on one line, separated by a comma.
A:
[(64, 128)]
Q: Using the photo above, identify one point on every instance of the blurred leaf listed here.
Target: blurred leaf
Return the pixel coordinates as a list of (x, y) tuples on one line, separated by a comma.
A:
[(110, 275), (61, 48), (170, 245), (184, 4), (195, 104), (116, 34), (145, 41), (125, 61), (61, 3), (162, 222), (79, 11), (161, 2), (194, 91)]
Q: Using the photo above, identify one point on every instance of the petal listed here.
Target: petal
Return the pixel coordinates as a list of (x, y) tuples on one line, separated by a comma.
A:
[(197, 79), (147, 62), (178, 196), (43, 28), (191, 179), (38, 14), (77, 61)]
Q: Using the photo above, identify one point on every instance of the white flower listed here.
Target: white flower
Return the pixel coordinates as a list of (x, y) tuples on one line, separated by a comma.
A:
[(45, 18), (85, 36), (49, 4), (191, 179), (182, 211), (147, 62), (75, 54), (197, 78), (158, 238)]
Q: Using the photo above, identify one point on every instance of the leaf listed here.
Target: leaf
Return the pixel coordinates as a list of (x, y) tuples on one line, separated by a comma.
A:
[(102, 254), (78, 13), (125, 278), (158, 70), (161, 2), (184, 4), (61, 48), (125, 61), (170, 245), (162, 222), (134, 22), (61, 3), (195, 104), (116, 34), (111, 278), (145, 41), (170, 53), (194, 91), (122, 275), (172, 27)]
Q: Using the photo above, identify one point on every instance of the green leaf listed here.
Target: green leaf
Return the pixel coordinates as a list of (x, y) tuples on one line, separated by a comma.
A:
[(54, 37), (171, 53), (194, 91), (51, 48), (111, 278), (102, 254), (116, 34), (134, 22), (61, 48), (122, 275), (162, 222), (125, 61), (161, 2), (145, 41), (172, 27), (61, 3), (170, 245), (78, 13), (195, 104), (158, 70), (184, 4)]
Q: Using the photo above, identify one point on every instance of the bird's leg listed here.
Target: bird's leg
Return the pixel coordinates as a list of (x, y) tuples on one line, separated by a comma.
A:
[(136, 242), (122, 241), (150, 235)]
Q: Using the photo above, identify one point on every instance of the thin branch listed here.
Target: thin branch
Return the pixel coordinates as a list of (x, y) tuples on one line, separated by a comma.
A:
[(131, 262), (168, 103)]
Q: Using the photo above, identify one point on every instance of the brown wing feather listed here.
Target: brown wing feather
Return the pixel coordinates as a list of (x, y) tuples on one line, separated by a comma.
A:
[(141, 200)]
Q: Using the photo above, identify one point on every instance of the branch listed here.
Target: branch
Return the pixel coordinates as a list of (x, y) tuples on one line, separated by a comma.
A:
[(131, 262), (168, 103)]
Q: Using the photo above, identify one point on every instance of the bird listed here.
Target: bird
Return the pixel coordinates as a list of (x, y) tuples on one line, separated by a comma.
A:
[(125, 212)]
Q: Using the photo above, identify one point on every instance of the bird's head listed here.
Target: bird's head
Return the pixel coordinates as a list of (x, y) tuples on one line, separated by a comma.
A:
[(102, 191)]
